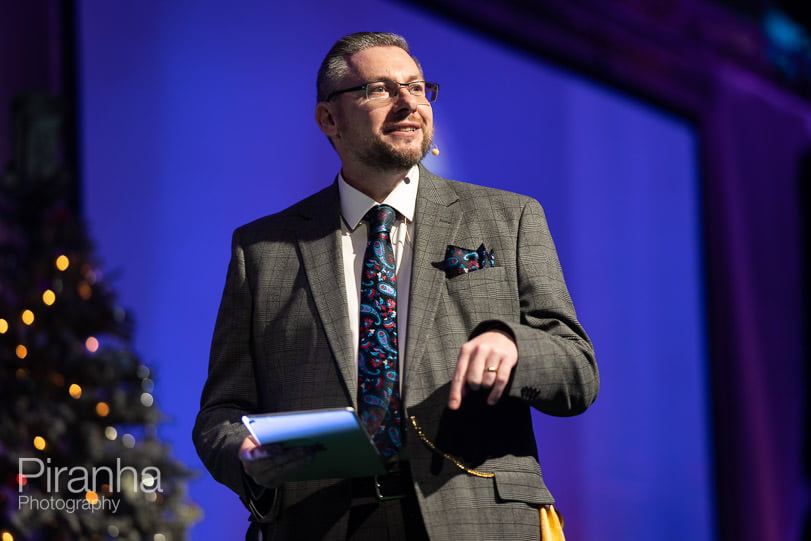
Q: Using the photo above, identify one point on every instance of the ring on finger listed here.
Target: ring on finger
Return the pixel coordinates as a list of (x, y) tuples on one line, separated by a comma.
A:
[(491, 368)]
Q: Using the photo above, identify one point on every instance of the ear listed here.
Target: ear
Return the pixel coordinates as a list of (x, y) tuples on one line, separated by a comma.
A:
[(325, 118)]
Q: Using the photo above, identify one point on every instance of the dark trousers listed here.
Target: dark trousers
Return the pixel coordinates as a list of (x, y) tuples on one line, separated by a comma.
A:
[(373, 520), (392, 520)]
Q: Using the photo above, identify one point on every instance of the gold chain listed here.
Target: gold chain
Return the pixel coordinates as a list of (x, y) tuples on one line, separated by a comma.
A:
[(444, 455)]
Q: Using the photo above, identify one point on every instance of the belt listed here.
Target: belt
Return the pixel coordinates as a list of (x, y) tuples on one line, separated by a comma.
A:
[(394, 485)]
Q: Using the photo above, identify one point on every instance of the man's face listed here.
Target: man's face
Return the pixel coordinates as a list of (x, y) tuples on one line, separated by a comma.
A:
[(389, 134)]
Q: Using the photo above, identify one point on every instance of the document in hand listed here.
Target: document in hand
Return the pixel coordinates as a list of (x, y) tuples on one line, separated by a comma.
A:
[(344, 447)]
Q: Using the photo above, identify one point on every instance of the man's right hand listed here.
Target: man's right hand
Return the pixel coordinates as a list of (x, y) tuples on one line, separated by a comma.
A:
[(268, 465)]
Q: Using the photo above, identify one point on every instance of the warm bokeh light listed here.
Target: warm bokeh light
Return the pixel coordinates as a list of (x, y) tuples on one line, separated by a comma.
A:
[(21, 351), (75, 391), (28, 317), (3, 326), (48, 297), (110, 433), (62, 262), (39, 443), (91, 344), (102, 409), (92, 497), (85, 291), (7, 536)]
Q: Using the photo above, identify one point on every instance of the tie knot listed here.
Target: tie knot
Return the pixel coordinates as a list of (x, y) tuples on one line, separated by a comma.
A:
[(381, 219)]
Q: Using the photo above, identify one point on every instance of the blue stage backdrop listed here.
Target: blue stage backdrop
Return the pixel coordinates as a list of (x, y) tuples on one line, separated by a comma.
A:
[(198, 116)]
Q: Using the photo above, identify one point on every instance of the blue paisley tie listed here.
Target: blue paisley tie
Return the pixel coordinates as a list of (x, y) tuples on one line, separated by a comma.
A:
[(378, 368)]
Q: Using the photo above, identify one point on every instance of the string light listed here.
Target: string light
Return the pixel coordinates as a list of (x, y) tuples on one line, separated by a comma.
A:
[(91, 344), (62, 263), (128, 440), (39, 443), (3, 326), (102, 409), (48, 297), (21, 351), (85, 291), (147, 400), (75, 391), (28, 317), (147, 480)]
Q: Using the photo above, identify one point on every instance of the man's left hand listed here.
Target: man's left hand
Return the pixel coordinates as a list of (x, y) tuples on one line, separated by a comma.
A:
[(485, 362)]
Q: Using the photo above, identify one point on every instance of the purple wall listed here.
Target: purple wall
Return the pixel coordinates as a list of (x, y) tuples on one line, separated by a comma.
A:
[(756, 136), (30, 58)]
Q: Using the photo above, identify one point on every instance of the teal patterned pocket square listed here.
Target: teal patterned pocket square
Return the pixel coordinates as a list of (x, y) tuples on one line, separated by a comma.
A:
[(460, 260)]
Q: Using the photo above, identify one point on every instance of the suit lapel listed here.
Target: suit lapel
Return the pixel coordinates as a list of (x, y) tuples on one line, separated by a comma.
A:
[(435, 223), (320, 244)]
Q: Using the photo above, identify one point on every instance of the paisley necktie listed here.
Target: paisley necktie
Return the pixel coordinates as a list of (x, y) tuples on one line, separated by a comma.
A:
[(378, 367)]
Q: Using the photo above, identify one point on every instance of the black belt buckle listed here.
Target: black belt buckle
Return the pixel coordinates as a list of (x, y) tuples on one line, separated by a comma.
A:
[(389, 487)]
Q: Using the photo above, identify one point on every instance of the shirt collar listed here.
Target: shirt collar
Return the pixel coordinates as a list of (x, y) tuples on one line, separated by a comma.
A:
[(355, 204)]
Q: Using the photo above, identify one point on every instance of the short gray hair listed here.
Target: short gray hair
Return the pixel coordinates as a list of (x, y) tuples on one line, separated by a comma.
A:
[(334, 67)]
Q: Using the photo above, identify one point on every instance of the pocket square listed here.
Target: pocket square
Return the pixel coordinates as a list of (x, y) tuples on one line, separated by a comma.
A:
[(460, 261)]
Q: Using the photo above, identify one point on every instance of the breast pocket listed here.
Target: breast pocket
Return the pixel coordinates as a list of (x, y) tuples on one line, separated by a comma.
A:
[(481, 295)]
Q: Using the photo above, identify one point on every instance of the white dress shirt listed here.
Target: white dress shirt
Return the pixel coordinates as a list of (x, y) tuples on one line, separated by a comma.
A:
[(354, 235)]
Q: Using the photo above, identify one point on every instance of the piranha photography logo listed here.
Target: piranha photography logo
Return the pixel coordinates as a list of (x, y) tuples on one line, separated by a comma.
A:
[(80, 488)]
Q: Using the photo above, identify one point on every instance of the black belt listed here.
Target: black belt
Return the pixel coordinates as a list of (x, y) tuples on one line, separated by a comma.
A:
[(394, 485)]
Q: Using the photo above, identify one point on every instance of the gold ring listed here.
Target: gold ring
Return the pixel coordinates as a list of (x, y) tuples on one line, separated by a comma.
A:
[(491, 368)]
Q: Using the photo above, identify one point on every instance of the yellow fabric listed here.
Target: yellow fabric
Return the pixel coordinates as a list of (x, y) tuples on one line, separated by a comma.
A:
[(551, 524)]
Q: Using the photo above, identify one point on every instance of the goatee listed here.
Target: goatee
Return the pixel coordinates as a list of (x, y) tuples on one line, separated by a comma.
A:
[(382, 156)]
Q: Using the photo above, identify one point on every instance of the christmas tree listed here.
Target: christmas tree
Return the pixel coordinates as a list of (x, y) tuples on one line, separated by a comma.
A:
[(80, 457)]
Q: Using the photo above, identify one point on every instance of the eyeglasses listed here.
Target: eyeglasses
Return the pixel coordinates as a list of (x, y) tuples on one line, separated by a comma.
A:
[(387, 90)]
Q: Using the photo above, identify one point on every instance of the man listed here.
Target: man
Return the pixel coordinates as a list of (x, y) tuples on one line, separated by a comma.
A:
[(470, 338)]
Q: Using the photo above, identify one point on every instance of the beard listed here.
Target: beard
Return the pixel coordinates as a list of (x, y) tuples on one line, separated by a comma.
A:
[(382, 156)]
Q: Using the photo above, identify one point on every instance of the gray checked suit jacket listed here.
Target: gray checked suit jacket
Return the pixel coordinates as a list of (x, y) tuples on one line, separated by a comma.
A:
[(282, 342)]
